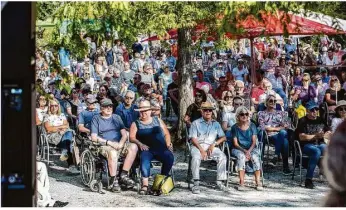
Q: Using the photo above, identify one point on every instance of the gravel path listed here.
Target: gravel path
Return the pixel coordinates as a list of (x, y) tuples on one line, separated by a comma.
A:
[(279, 191)]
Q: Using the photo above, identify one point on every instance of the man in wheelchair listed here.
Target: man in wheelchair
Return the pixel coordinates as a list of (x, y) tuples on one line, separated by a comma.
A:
[(206, 135), (108, 130)]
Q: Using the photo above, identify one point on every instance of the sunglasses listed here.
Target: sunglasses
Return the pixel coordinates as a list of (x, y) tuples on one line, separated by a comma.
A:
[(207, 110), (74, 92), (198, 96), (314, 110), (272, 101), (244, 114), (342, 109), (334, 80), (135, 78), (306, 80), (54, 105), (228, 97), (108, 106), (238, 104)]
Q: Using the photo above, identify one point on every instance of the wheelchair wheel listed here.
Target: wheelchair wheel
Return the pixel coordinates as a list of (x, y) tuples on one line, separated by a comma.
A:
[(87, 167), (96, 186)]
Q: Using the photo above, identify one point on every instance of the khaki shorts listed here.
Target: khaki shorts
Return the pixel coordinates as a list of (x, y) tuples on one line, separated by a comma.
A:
[(105, 151)]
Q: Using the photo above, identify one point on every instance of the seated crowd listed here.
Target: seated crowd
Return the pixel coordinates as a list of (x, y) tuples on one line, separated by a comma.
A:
[(120, 103)]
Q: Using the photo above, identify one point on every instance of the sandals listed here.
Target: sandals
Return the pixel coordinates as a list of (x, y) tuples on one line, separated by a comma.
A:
[(144, 190)]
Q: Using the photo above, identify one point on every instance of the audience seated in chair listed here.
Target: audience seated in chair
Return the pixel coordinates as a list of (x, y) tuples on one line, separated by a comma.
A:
[(108, 129), (312, 130), (275, 124), (244, 139), (206, 134)]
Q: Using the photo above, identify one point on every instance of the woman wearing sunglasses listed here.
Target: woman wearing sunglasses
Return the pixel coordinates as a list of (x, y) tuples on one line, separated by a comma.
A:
[(58, 132), (320, 88), (334, 93), (305, 92), (340, 114), (244, 139), (193, 113)]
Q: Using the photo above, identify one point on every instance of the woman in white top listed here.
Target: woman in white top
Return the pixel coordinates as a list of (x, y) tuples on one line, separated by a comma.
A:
[(340, 114), (58, 132), (268, 91), (41, 110)]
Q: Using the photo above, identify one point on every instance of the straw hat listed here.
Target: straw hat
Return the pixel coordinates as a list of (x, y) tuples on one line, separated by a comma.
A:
[(144, 106), (340, 103), (206, 105)]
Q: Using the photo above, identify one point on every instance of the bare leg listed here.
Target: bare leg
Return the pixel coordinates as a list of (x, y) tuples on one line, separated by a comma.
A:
[(130, 157), (113, 162), (257, 177), (241, 177)]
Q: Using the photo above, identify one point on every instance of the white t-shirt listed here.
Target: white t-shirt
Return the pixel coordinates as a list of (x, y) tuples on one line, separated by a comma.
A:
[(55, 120), (239, 74), (41, 113)]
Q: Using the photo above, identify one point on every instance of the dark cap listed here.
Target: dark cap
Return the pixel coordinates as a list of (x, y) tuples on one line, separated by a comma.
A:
[(106, 102)]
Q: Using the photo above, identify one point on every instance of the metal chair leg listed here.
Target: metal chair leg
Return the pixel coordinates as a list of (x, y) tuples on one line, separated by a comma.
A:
[(188, 173), (300, 170), (294, 165)]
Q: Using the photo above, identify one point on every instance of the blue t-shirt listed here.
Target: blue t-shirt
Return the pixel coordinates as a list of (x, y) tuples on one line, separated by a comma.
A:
[(108, 129), (128, 116), (244, 137), (86, 116)]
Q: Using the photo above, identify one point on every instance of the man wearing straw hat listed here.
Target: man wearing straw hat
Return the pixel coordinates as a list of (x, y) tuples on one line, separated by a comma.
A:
[(206, 135)]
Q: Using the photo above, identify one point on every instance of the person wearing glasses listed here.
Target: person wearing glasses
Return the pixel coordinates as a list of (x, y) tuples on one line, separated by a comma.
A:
[(340, 110), (305, 92), (275, 123), (126, 110), (229, 118), (41, 109), (193, 113), (72, 106), (148, 75), (88, 79), (136, 80), (58, 133), (312, 130), (108, 129), (334, 93), (151, 135), (244, 140), (226, 104), (85, 117), (206, 134), (279, 83), (320, 88)]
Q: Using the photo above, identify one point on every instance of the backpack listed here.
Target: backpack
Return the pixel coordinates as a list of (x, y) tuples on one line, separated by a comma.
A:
[(162, 185)]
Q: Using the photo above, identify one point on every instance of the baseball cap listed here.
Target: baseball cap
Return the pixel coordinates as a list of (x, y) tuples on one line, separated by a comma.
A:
[(311, 104), (106, 102)]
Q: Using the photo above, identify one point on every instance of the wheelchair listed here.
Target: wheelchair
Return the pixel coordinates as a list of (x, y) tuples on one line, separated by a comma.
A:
[(94, 167)]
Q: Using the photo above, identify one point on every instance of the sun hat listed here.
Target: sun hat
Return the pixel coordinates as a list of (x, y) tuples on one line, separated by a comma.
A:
[(340, 103), (145, 106), (206, 105), (106, 102)]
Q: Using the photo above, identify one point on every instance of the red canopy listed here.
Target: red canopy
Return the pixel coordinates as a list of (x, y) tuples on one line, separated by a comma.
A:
[(270, 25)]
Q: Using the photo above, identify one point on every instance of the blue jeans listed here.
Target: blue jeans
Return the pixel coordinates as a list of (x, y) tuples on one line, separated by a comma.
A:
[(282, 94), (314, 152), (165, 157), (66, 141), (281, 145), (229, 139)]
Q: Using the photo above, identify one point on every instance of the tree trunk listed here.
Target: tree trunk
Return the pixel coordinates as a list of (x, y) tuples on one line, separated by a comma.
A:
[(185, 76)]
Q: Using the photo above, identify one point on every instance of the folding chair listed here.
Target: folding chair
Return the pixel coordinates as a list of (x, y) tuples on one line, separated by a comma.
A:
[(298, 154)]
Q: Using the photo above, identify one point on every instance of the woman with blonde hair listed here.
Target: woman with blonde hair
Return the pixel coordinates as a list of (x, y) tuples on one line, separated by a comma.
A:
[(244, 140), (58, 132), (305, 92), (226, 103)]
